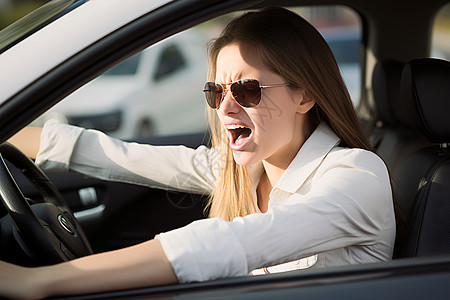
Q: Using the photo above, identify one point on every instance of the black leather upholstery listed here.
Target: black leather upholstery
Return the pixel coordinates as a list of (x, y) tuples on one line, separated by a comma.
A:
[(426, 91), (422, 176), (386, 90), (393, 138), (430, 218)]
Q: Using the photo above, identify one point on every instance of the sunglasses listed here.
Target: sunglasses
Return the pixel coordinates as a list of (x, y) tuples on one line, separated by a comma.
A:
[(246, 92)]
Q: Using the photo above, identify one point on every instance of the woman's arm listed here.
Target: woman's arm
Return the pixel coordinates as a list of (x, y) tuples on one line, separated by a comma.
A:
[(141, 265), (28, 140), (345, 209), (68, 148)]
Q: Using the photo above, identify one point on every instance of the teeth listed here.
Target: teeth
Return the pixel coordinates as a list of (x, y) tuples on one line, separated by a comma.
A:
[(235, 126)]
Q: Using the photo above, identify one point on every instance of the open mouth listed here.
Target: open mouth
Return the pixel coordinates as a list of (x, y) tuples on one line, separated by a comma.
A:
[(238, 133)]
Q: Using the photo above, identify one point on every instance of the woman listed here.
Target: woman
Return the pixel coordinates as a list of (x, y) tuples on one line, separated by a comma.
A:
[(292, 180)]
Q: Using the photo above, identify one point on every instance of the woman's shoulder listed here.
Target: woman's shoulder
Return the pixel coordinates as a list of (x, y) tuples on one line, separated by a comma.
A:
[(360, 173), (356, 157)]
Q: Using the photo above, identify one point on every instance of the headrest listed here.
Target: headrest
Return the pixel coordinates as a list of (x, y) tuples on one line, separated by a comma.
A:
[(425, 89), (386, 89)]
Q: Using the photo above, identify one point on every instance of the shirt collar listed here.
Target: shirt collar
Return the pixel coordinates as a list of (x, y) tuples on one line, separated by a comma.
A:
[(308, 158)]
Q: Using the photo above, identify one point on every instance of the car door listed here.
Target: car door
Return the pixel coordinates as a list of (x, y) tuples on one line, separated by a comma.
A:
[(115, 215)]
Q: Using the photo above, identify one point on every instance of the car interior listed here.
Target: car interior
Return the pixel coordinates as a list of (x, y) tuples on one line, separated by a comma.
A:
[(417, 151), (403, 107)]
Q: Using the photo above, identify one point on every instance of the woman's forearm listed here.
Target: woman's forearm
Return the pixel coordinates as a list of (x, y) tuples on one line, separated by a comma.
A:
[(142, 265), (28, 140)]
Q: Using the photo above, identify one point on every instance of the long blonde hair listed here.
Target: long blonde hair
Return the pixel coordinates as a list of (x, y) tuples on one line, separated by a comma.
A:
[(294, 49)]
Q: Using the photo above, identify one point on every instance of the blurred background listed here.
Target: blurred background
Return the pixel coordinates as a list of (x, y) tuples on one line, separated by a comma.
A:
[(137, 97), (12, 10)]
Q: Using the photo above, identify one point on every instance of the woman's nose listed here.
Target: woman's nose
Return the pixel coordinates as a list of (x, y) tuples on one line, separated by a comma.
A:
[(229, 104)]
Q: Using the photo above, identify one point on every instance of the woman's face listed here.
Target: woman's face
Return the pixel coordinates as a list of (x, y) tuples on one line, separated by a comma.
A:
[(273, 131)]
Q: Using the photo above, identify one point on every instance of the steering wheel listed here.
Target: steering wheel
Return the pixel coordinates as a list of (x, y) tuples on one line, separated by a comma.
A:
[(47, 230)]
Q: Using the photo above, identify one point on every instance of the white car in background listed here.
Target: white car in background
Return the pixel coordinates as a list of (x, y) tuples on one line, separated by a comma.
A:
[(136, 97)]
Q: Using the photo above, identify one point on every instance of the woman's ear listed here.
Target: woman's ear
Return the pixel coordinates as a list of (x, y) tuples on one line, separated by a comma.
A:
[(306, 102)]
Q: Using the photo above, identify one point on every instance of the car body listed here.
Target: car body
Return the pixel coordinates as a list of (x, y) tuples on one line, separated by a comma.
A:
[(79, 41)]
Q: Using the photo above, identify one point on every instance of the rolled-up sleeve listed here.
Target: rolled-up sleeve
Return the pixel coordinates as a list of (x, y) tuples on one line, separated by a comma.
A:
[(349, 204), (57, 144), (92, 153), (205, 250)]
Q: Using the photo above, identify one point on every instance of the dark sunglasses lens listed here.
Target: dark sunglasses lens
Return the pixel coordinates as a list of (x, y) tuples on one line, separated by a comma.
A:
[(246, 92), (252, 93), (213, 94)]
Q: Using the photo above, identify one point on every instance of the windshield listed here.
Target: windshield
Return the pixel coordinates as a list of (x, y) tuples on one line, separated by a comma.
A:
[(35, 21)]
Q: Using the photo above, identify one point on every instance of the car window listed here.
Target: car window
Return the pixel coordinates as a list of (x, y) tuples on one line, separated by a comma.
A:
[(170, 61), (440, 45), (158, 92), (346, 49), (341, 27)]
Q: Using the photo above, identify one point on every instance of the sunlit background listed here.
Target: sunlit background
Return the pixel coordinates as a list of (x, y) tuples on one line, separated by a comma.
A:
[(12, 10)]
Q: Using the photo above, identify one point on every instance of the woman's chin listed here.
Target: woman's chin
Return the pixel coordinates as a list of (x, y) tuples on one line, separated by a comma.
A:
[(244, 158)]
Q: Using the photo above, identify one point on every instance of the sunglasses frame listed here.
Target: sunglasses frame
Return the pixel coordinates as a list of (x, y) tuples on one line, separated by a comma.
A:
[(240, 82)]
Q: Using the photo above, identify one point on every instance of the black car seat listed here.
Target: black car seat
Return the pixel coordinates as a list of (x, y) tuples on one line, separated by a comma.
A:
[(421, 180), (385, 136), (386, 93), (393, 138)]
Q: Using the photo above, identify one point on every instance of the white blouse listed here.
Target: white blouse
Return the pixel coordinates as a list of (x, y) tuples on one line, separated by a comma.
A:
[(332, 206)]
